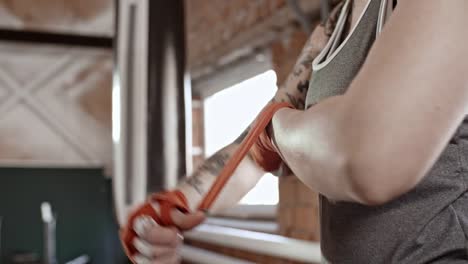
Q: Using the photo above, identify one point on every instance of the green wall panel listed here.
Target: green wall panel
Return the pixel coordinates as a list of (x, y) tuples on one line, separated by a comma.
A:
[(82, 200)]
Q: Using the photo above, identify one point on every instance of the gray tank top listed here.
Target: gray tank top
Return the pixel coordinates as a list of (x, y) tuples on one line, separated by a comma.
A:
[(427, 225)]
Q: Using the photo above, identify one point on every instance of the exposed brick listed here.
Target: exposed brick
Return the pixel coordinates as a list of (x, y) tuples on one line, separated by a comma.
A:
[(212, 23), (306, 218), (285, 53), (198, 116), (287, 190), (306, 196), (299, 234), (284, 231), (286, 217), (198, 131), (197, 127)]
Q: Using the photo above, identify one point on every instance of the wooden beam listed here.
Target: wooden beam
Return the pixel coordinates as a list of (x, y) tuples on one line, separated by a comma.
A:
[(55, 38)]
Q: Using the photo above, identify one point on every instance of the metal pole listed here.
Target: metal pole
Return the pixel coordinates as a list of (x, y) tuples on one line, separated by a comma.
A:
[(1, 221), (49, 221)]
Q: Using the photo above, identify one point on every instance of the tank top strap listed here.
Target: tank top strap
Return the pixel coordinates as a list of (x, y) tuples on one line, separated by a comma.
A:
[(385, 11)]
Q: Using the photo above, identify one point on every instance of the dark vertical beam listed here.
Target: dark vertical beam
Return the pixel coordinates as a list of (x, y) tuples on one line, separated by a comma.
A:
[(166, 104), (55, 38)]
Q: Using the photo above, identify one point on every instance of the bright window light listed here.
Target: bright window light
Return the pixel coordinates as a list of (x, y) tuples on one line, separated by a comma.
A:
[(229, 112)]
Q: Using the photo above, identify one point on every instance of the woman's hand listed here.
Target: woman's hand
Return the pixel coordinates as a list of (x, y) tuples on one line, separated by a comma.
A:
[(158, 244)]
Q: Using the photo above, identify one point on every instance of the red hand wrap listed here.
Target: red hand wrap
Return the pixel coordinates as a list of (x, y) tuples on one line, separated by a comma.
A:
[(167, 201), (263, 151)]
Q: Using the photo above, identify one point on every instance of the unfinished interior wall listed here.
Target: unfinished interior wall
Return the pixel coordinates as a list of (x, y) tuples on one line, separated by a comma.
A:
[(223, 32), (212, 25), (198, 132)]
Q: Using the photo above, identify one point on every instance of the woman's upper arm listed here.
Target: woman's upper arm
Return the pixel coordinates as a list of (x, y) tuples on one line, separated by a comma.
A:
[(410, 96)]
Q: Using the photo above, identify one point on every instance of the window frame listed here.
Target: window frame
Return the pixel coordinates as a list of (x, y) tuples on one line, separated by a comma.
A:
[(229, 75)]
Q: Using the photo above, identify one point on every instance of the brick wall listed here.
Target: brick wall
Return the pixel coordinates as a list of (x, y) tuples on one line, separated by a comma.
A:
[(198, 130), (212, 24), (298, 210)]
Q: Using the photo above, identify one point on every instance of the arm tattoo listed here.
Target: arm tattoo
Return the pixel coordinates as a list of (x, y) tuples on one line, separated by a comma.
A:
[(301, 74), (196, 183), (305, 58), (307, 61), (297, 71), (215, 163), (304, 63), (297, 102), (303, 86), (213, 166)]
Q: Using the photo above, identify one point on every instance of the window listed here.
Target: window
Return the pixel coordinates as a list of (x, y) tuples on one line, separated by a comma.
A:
[(228, 113)]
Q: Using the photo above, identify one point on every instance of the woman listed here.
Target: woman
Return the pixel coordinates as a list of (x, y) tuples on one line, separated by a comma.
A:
[(383, 139)]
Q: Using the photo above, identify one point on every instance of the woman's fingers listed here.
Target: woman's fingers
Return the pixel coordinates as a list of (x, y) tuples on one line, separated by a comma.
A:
[(159, 245), (153, 251), (140, 259), (168, 237), (151, 232), (187, 221), (173, 259), (142, 224)]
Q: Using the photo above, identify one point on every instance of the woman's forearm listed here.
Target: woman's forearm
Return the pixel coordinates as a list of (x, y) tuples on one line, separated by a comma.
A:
[(244, 178), (247, 175)]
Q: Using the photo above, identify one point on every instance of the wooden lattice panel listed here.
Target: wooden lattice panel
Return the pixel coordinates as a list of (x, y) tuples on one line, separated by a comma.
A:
[(56, 105)]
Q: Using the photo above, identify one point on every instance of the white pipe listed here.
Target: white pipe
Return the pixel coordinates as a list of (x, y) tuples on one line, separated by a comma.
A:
[(262, 243), (252, 225), (201, 256), (129, 107)]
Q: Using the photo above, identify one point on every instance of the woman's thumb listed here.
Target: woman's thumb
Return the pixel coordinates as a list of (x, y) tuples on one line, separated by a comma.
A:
[(187, 221)]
